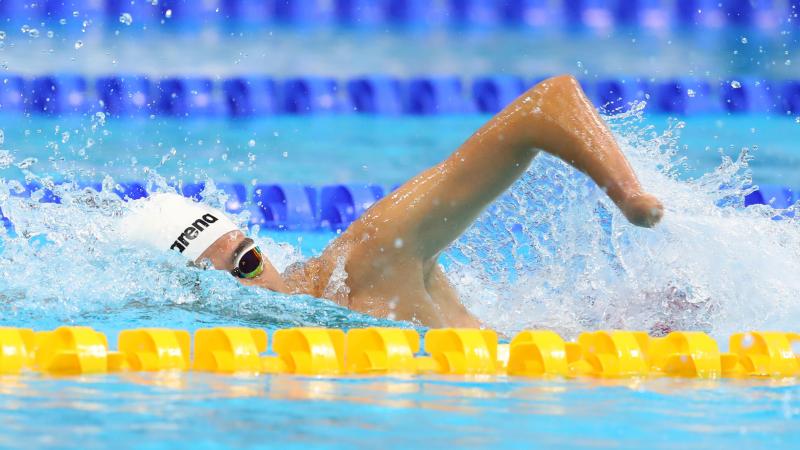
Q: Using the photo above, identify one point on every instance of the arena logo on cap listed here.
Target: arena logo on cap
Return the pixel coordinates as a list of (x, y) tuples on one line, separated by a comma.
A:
[(191, 232)]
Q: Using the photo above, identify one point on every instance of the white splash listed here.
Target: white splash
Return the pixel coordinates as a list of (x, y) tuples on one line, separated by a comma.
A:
[(556, 253)]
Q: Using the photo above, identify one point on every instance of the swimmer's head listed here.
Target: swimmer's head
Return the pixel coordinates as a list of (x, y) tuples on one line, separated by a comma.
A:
[(170, 222)]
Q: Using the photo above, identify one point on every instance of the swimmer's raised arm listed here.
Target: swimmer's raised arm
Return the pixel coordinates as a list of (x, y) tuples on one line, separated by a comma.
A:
[(431, 210), (391, 250)]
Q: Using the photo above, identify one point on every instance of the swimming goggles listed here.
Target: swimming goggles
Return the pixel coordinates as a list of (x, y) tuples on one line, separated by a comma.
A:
[(249, 263)]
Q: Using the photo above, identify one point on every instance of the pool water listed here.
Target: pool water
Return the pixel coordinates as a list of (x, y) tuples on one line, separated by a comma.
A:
[(207, 411), (713, 53), (341, 149), (552, 253)]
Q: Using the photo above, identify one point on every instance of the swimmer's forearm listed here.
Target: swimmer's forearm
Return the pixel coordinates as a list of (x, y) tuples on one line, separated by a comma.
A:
[(555, 116)]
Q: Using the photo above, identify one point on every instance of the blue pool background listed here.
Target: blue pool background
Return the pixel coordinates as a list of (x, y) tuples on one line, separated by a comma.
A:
[(713, 266)]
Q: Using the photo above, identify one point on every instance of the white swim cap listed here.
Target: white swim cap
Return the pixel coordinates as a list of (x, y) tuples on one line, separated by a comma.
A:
[(167, 221)]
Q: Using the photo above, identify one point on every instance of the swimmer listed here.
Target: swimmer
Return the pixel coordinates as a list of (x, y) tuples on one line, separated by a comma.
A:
[(388, 257)]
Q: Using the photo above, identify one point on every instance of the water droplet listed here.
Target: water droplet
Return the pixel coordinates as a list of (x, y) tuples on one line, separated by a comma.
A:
[(735, 84), (747, 341), (6, 159), (126, 19), (78, 44), (32, 32), (251, 143), (690, 93), (26, 163)]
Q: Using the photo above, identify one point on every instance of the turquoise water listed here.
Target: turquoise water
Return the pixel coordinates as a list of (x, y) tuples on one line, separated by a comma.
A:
[(343, 149), (205, 411)]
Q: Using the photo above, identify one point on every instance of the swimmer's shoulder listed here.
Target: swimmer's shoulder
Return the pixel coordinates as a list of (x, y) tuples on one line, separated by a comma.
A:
[(312, 276)]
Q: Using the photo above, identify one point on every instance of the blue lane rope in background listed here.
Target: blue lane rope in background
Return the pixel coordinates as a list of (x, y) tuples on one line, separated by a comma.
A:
[(259, 95), (308, 208), (190, 15)]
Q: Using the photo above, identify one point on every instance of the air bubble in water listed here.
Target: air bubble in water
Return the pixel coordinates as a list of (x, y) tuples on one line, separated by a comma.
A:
[(2, 35), (735, 84), (62, 21), (78, 44), (744, 40), (2, 137), (50, 34), (690, 93), (168, 13), (251, 143), (126, 19)]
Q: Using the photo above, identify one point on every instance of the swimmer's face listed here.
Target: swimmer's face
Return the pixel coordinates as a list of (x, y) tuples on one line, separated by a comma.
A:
[(225, 252)]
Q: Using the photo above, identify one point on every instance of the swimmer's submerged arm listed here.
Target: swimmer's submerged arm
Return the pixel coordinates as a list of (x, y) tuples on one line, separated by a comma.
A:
[(431, 210)]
